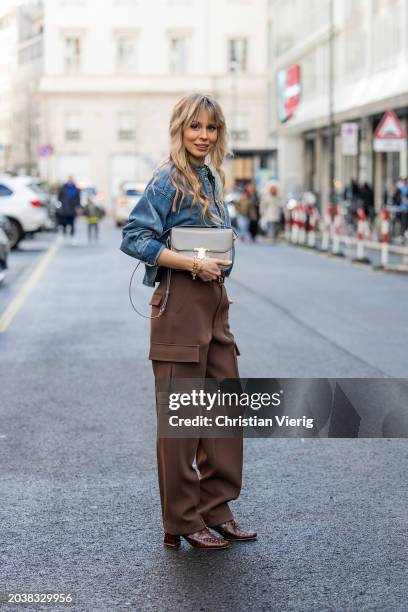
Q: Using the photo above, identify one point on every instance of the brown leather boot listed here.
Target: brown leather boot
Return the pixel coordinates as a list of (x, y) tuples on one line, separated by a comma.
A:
[(200, 539), (232, 532)]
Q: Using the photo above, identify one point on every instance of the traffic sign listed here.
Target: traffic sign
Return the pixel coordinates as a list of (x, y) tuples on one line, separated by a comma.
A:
[(389, 135), (45, 150)]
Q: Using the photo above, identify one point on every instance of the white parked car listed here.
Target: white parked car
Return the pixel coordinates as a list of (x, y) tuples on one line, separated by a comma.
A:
[(130, 194), (25, 206)]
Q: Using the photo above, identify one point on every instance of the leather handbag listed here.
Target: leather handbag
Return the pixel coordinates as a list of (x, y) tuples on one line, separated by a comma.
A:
[(194, 241), (203, 242)]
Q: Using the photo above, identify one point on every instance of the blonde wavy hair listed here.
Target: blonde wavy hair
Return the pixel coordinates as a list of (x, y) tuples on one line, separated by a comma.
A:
[(183, 176)]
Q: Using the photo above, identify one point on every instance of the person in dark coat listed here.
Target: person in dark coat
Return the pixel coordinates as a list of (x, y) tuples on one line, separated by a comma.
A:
[(69, 197), (367, 196)]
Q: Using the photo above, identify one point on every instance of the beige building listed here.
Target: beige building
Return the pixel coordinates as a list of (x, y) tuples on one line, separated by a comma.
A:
[(109, 79), (369, 67)]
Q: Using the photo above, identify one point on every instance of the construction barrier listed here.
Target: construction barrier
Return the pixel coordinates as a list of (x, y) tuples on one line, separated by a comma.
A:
[(361, 235), (337, 230), (327, 222), (288, 224), (385, 226), (302, 223), (312, 226), (295, 225)]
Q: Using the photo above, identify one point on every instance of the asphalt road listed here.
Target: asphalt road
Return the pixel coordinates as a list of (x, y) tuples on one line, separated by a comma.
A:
[(79, 496)]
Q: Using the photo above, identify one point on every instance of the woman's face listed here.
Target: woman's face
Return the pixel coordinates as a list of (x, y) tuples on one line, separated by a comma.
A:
[(200, 136)]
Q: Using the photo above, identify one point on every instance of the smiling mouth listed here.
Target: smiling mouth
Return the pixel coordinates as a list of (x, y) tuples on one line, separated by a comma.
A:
[(202, 146)]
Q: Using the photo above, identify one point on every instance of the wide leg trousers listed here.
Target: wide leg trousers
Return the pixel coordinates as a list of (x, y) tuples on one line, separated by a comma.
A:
[(192, 339)]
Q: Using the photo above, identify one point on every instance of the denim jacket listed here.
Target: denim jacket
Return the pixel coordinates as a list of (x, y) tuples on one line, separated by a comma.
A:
[(149, 224)]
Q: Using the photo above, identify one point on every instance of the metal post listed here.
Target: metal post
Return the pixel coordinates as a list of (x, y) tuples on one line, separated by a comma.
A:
[(332, 191)]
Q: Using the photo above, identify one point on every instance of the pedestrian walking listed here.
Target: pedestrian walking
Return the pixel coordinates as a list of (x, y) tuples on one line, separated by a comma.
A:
[(270, 209), (192, 337), (69, 198), (352, 195), (93, 214), (253, 210), (243, 208), (367, 196)]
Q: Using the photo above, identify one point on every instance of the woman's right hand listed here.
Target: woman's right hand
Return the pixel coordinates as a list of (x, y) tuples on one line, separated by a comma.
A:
[(209, 268)]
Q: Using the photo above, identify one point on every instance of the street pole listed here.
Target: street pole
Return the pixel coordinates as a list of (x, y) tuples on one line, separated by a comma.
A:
[(332, 191), (233, 68)]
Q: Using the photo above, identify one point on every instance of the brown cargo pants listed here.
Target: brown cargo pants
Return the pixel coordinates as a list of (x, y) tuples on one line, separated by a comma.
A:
[(192, 339)]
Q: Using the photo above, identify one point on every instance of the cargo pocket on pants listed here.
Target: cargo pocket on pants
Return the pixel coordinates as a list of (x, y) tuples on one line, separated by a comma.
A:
[(170, 363), (176, 353)]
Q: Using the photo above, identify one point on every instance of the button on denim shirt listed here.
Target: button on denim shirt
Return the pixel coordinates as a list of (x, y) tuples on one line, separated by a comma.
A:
[(146, 232)]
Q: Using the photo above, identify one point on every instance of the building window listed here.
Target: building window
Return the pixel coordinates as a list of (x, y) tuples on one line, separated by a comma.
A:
[(72, 53), (72, 127), (178, 54), (126, 126), (126, 52), (237, 55)]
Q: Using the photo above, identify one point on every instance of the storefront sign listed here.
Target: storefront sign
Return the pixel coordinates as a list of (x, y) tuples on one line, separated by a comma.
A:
[(288, 92), (389, 135), (349, 138)]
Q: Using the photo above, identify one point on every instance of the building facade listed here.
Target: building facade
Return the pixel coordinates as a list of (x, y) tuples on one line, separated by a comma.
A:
[(109, 79), (352, 58)]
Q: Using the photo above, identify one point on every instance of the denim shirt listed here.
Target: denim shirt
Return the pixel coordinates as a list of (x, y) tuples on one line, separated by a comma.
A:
[(149, 224)]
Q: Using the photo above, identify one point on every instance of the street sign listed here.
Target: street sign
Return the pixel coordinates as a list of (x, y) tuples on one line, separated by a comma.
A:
[(349, 138), (45, 150), (389, 135)]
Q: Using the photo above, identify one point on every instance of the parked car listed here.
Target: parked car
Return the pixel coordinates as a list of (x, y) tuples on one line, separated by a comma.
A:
[(41, 189), (130, 194), (4, 246), (24, 205)]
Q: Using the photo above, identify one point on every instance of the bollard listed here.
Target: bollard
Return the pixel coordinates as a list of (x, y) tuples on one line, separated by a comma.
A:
[(295, 225), (337, 231), (302, 223), (362, 230), (384, 230), (288, 224), (385, 226), (326, 229), (312, 226)]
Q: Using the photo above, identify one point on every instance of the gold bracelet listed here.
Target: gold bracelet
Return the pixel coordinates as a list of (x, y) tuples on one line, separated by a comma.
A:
[(195, 268)]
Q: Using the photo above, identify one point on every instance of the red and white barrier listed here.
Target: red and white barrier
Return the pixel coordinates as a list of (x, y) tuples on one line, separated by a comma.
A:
[(362, 236), (337, 230), (312, 226), (385, 226), (302, 217), (294, 238), (288, 224), (327, 222)]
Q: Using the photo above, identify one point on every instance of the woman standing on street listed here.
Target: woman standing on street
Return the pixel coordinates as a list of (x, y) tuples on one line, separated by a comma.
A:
[(192, 338)]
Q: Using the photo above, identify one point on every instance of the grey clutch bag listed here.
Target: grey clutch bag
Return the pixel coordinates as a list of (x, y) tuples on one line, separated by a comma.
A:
[(193, 241), (202, 242)]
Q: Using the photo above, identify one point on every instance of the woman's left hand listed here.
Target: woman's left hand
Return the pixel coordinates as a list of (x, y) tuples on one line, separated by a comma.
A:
[(229, 300)]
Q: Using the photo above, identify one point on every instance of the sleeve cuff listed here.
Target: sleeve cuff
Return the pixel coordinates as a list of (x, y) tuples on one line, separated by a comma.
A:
[(154, 251)]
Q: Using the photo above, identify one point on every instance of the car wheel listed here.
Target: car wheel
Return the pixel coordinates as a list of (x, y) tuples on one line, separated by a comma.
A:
[(15, 233)]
